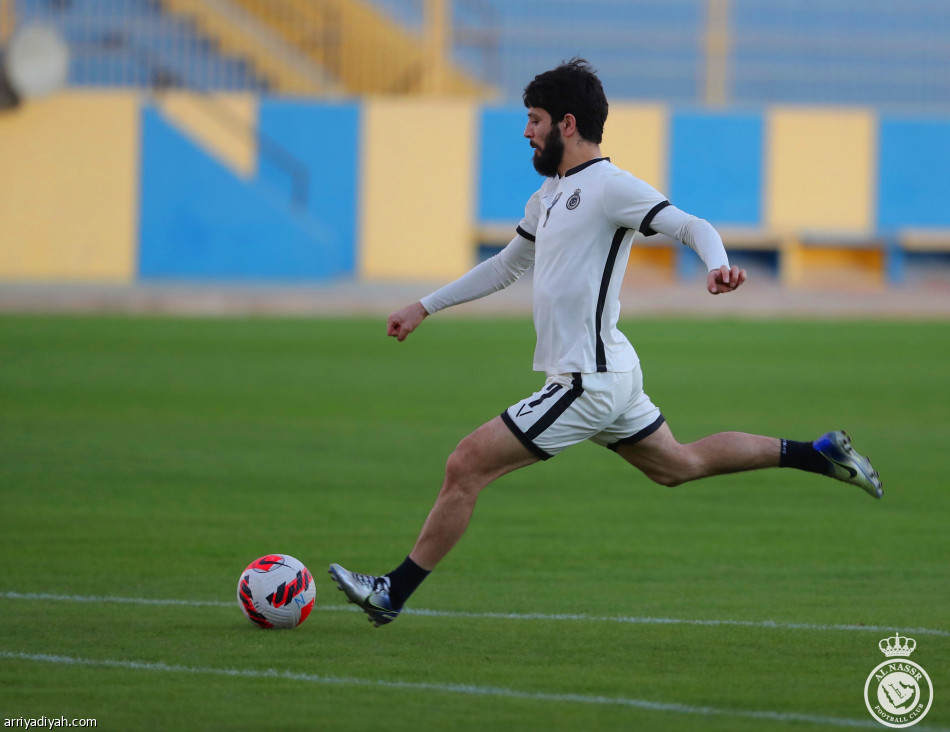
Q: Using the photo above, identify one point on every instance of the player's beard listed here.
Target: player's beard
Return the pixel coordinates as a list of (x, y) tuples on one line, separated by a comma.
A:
[(548, 160)]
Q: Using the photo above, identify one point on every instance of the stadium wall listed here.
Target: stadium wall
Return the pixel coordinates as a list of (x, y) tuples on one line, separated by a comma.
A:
[(115, 187), (69, 189)]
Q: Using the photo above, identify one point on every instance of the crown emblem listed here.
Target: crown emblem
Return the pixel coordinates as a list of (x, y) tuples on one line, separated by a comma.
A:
[(897, 645)]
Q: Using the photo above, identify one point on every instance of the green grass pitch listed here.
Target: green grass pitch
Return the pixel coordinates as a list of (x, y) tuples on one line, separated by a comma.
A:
[(152, 459)]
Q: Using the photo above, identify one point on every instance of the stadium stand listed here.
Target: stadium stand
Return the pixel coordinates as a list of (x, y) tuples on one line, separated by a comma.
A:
[(870, 52), (645, 50), (800, 128), (286, 71), (891, 56), (740, 53), (135, 43), (291, 47), (362, 48)]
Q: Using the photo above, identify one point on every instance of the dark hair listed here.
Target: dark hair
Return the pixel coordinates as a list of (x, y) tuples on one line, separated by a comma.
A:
[(574, 88)]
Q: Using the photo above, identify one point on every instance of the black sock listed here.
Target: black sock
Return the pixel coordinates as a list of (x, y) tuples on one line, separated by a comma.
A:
[(404, 580), (803, 456)]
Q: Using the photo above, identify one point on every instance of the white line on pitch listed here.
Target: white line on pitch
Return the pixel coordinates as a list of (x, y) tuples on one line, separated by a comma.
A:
[(468, 689), (499, 616)]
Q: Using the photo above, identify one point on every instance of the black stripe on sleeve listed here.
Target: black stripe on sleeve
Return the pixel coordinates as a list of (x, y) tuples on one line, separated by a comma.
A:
[(645, 227), (599, 351), (525, 234)]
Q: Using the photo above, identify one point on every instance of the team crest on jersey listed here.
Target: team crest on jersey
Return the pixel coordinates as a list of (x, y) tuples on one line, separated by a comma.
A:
[(575, 200)]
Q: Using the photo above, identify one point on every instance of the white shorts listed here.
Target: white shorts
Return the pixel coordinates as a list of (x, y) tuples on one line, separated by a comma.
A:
[(607, 408)]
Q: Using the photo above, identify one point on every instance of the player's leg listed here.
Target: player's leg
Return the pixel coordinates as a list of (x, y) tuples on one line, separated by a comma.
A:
[(671, 463), (641, 436), (568, 409), (488, 453), (666, 461)]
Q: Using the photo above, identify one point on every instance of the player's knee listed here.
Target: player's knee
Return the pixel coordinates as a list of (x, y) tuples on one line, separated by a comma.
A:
[(454, 468), (680, 467), (460, 468)]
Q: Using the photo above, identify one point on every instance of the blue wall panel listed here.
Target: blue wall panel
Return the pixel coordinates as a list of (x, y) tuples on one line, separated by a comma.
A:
[(199, 220), (324, 139), (507, 179), (913, 173), (716, 166)]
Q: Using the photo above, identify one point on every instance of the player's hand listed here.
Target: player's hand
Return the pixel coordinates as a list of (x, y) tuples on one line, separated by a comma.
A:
[(724, 279), (403, 322)]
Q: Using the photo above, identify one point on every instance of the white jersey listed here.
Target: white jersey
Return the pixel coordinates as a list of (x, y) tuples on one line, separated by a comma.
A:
[(577, 231), (582, 225)]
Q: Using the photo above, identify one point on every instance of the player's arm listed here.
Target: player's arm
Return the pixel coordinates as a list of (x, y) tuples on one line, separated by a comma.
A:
[(402, 322), (631, 202), (495, 273), (700, 236)]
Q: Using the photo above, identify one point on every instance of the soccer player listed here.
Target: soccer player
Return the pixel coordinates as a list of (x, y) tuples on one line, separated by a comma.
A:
[(576, 231)]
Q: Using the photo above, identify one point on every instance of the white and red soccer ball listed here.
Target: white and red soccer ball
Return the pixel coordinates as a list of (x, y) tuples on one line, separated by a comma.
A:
[(276, 591)]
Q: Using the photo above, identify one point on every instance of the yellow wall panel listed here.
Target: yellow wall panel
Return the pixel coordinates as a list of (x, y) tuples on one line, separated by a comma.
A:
[(418, 189), (69, 188), (223, 124), (636, 138), (821, 170)]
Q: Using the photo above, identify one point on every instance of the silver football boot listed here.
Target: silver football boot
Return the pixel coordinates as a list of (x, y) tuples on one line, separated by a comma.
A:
[(369, 592), (849, 465)]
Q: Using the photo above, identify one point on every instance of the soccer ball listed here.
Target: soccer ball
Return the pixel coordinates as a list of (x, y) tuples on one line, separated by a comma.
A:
[(276, 591)]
